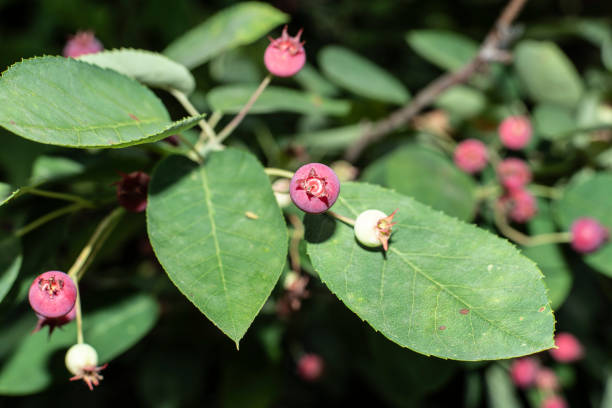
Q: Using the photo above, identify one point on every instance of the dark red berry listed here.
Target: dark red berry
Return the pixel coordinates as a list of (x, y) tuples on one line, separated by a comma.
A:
[(52, 294), (132, 191)]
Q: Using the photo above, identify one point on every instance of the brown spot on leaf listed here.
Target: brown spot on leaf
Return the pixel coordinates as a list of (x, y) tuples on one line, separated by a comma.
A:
[(464, 311), (134, 117), (13, 122), (542, 309), (442, 328)]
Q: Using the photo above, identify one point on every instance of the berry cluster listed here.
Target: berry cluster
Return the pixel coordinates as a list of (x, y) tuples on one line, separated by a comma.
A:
[(528, 372)]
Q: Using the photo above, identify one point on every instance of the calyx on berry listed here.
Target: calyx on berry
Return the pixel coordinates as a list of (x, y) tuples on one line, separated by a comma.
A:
[(373, 228), (54, 322), (82, 360), (314, 188), (285, 55), (52, 294)]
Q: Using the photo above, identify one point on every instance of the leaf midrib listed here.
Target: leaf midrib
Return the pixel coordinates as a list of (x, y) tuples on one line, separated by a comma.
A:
[(443, 287), (213, 228)]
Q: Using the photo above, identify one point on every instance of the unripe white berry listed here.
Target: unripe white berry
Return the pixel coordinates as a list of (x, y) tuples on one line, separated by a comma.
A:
[(365, 227), (80, 357)]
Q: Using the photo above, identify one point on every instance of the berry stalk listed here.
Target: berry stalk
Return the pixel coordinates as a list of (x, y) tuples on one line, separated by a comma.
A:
[(270, 171), (227, 130)]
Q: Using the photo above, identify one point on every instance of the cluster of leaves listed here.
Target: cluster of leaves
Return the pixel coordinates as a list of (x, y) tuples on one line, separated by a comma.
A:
[(445, 288)]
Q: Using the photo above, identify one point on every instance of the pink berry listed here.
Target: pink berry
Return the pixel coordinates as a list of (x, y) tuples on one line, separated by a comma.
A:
[(54, 322), (83, 42), (546, 380), (515, 132), (523, 371), (285, 55), (471, 156), (513, 173), (314, 188), (520, 205), (588, 234), (132, 191), (554, 401), (310, 367), (52, 294), (568, 348)]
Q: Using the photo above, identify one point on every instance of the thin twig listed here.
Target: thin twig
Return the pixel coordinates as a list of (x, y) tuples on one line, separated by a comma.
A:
[(79, 315), (94, 244), (294, 245), (215, 118), (342, 218), (526, 240), (183, 100), (227, 130), (59, 196), (270, 171), (489, 51), (48, 217)]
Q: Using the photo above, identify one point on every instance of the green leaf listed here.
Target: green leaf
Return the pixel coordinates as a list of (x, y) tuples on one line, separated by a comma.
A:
[(431, 178), (110, 331), (501, 391), (444, 288), (44, 168), (312, 81), (549, 258), (62, 101), (361, 76), (235, 66), (606, 51), (330, 140), (223, 261), (150, 68), (10, 262), (553, 122), (462, 100), (237, 25), (446, 49), (231, 98), (547, 74), (113, 330), (589, 197)]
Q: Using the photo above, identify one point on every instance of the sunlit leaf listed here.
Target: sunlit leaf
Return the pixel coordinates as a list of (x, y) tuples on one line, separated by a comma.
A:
[(62, 101), (237, 25), (444, 288), (222, 260)]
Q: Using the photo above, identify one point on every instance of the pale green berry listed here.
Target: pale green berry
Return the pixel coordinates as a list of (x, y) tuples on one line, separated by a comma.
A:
[(79, 357), (366, 227)]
